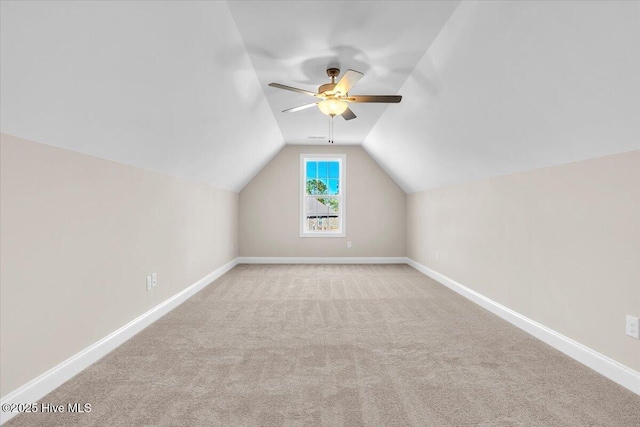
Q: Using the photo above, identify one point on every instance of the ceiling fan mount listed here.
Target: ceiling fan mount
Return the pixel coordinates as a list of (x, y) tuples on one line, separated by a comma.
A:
[(333, 73)]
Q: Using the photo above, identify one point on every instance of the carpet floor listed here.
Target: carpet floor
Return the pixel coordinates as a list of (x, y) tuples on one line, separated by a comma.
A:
[(336, 345)]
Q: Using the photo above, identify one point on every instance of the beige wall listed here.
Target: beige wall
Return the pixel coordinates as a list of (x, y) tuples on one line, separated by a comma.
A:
[(560, 245), (270, 210), (78, 237)]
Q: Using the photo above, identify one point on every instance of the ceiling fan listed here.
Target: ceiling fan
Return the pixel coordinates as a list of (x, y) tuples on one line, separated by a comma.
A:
[(334, 98)]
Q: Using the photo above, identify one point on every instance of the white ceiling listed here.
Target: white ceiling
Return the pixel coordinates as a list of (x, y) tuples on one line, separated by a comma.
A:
[(301, 39), (489, 88)]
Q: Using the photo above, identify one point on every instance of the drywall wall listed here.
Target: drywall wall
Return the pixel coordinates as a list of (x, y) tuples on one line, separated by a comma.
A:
[(78, 237), (270, 210), (560, 245)]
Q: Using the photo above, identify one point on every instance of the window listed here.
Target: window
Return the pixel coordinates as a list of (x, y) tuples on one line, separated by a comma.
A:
[(322, 202)]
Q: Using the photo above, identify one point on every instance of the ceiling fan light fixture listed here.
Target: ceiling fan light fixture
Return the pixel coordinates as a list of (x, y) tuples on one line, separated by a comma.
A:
[(332, 107)]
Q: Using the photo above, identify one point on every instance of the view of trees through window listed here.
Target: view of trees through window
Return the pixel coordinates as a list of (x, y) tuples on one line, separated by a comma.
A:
[(322, 195), (316, 186)]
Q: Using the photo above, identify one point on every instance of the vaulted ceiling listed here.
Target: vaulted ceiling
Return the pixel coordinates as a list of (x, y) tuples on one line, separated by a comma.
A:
[(163, 85), (489, 88), (300, 40), (514, 86)]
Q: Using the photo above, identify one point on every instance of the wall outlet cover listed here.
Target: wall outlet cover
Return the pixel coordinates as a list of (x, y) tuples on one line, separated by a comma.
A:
[(633, 329), (149, 283), (154, 279)]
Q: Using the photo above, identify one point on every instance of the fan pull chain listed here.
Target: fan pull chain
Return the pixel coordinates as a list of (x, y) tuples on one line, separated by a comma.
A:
[(330, 129)]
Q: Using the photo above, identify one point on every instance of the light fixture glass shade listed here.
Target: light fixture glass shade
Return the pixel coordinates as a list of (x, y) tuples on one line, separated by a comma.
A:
[(332, 107)]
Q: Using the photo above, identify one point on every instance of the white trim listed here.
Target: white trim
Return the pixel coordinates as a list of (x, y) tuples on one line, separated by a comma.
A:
[(342, 214), (600, 363), (44, 384), (322, 260)]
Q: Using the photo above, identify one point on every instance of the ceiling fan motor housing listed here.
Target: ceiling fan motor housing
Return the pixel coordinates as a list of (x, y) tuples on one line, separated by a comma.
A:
[(328, 87)]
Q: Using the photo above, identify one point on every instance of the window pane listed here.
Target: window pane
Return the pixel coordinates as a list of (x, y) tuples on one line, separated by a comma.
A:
[(316, 207), (312, 170), (327, 223), (322, 170), (323, 223), (334, 223), (333, 205), (317, 186), (334, 186), (312, 224), (322, 214), (334, 170)]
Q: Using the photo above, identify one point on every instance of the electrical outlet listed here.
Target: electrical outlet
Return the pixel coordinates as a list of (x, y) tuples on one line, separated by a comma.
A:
[(437, 254), (349, 245), (633, 329), (154, 280), (149, 283)]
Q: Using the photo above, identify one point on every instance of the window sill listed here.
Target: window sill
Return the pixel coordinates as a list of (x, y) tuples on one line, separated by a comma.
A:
[(324, 234)]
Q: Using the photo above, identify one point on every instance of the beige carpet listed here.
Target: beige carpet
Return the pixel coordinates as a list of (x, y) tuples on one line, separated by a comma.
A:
[(337, 345)]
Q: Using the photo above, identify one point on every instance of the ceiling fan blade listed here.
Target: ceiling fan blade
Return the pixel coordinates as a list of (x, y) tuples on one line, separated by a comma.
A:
[(348, 114), (293, 89), (302, 107), (348, 80), (391, 99)]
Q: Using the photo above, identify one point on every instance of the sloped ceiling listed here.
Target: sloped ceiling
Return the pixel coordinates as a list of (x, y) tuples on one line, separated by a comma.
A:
[(489, 88), (513, 86), (162, 85)]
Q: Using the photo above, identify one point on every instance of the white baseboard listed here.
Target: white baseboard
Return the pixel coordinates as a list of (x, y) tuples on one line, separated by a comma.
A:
[(44, 384), (600, 363), (322, 260)]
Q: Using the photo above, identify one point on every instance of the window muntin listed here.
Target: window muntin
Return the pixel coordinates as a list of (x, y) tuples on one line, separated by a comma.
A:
[(322, 204)]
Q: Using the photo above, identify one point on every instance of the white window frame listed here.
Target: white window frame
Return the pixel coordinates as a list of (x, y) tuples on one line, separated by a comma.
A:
[(342, 214)]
